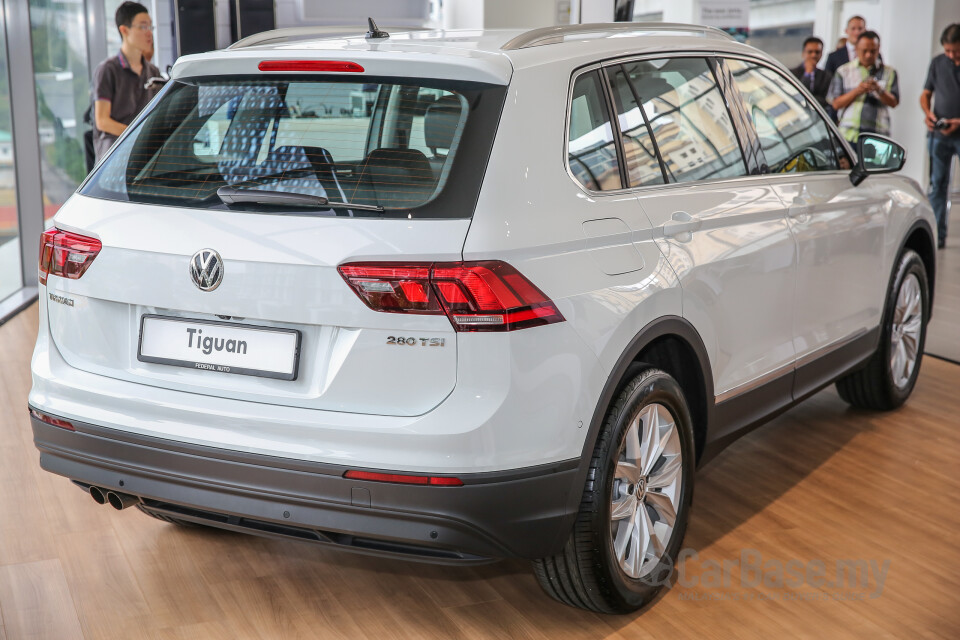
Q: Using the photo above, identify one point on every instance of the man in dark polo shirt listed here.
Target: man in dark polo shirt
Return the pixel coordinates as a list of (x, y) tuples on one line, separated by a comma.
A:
[(119, 81), (942, 88)]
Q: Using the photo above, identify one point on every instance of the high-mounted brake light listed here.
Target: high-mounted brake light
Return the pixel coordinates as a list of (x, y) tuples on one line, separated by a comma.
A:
[(338, 66), (398, 478), (55, 422), (487, 295), (66, 254)]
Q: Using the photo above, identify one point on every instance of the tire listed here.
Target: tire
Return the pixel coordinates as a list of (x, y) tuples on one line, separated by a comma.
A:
[(882, 385), (589, 572), (169, 519)]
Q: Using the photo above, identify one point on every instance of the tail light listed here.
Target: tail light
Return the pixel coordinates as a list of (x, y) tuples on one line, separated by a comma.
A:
[(66, 254), (489, 295)]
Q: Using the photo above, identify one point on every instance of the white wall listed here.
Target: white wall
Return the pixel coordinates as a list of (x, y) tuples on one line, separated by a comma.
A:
[(510, 14), (463, 14), (592, 11), (298, 13)]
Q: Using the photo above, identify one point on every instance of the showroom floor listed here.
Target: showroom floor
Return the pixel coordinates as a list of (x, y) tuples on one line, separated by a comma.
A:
[(871, 501)]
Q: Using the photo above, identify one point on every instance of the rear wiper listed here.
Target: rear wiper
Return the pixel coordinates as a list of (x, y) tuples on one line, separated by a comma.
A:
[(232, 195)]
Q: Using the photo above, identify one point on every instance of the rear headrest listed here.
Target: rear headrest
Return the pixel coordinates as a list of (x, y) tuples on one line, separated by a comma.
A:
[(440, 123), (403, 165), (399, 177)]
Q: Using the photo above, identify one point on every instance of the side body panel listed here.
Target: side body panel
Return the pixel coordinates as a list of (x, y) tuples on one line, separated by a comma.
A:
[(593, 254), (736, 269)]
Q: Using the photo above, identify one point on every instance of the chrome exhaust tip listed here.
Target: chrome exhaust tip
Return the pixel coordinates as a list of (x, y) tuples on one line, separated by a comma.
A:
[(120, 501), (99, 495)]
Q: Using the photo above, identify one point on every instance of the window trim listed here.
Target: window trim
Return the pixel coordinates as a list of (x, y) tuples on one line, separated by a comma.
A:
[(613, 62), (714, 55), (607, 89)]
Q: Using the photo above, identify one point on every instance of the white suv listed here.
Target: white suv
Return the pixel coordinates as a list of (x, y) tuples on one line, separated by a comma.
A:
[(468, 295)]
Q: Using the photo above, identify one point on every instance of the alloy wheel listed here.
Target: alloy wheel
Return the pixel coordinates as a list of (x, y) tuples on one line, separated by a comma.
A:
[(646, 491), (905, 333)]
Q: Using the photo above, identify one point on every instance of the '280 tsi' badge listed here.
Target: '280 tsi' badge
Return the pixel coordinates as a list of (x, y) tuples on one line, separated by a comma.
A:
[(206, 269)]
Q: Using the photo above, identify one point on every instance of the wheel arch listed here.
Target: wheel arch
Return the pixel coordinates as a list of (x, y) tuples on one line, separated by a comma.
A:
[(919, 237), (673, 345)]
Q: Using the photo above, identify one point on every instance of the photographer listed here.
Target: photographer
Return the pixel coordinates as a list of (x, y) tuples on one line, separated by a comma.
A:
[(864, 90), (943, 121)]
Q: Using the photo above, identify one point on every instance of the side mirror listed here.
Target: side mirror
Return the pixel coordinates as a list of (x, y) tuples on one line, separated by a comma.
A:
[(876, 154)]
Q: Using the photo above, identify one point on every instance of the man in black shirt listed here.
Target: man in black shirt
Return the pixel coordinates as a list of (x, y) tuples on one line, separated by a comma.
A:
[(817, 81), (119, 90), (943, 120)]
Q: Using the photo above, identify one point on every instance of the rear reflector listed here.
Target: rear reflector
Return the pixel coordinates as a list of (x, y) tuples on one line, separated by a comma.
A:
[(338, 66), (487, 295), (436, 481), (65, 254), (56, 422)]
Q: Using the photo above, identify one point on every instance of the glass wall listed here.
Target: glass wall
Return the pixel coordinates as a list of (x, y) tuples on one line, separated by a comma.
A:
[(113, 35), (61, 71), (10, 276)]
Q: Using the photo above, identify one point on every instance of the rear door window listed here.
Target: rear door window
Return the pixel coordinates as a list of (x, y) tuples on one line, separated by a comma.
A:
[(386, 144), (688, 117)]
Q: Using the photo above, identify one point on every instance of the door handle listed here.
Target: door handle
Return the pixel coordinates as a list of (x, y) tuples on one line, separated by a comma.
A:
[(800, 212), (681, 222)]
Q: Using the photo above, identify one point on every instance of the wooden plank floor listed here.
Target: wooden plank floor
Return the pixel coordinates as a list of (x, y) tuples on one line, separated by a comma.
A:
[(822, 483)]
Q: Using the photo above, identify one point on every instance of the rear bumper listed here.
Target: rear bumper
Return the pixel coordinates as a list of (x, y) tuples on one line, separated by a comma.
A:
[(522, 513)]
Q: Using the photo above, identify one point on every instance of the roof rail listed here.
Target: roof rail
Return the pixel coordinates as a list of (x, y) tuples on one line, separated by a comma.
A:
[(553, 35), (290, 34)]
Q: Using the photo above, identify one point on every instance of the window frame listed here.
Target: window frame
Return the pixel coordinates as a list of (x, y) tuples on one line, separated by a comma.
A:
[(731, 97), (605, 66)]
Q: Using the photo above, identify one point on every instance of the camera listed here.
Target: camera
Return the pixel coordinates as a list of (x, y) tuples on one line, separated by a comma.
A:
[(941, 124)]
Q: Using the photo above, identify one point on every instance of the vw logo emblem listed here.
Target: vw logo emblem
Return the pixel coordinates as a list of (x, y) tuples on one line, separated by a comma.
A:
[(206, 269)]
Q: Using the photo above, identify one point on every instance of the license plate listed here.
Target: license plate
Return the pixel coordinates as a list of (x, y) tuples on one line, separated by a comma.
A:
[(225, 347)]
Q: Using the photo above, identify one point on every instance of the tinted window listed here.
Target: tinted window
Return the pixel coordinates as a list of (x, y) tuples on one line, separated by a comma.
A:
[(688, 117), (638, 149), (793, 135), (590, 149), (381, 144)]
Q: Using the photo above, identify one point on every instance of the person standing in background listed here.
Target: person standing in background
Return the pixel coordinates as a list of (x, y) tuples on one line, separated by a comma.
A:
[(848, 52), (119, 81), (940, 101), (814, 79), (864, 90)]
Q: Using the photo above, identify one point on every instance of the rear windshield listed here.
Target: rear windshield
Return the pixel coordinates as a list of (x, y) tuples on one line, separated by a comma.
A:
[(410, 148)]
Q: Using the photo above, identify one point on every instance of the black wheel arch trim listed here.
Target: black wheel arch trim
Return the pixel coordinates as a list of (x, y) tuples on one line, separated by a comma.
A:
[(930, 266), (667, 326)]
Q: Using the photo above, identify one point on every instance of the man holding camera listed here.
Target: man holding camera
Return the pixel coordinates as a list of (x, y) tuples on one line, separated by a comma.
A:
[(864, 90), (943, 121)]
